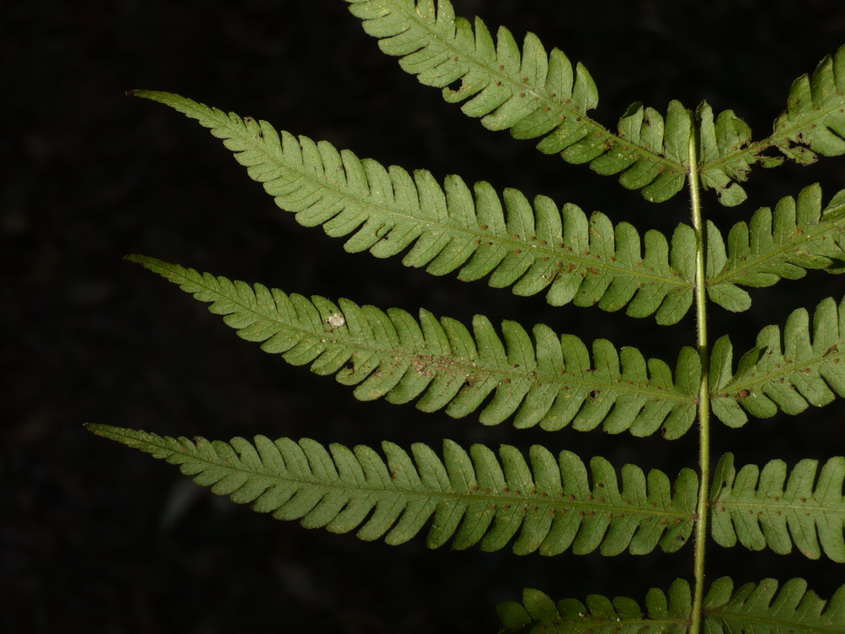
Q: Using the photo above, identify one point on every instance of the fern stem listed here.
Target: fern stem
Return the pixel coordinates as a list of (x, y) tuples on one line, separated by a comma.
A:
[(704, 391)]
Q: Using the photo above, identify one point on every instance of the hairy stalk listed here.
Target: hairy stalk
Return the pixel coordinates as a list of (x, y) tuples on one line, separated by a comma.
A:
[(704, 391)]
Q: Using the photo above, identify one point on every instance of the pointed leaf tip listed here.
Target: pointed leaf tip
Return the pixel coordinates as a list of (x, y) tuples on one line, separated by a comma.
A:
[(122, 435), (160, 267), (143, 93), (96, 428)]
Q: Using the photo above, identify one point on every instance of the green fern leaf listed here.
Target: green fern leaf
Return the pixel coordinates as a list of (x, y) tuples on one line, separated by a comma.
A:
[(813, 124), (814, 120), (548, 506), (753, 608), (801, 234), (531, 92), (551, 382), (787, 373), (509, 240), (773, 507), (664, 613), (760, 608), (724, 163)]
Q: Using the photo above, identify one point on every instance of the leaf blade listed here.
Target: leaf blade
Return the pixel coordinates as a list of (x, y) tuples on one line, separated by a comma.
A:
[(473, 498), (801, 234), (530, 246), (788, 369), (532, 92), (775, 508), (662, 613), (768, 606), (813, 123), (444, 365), (755, 608)]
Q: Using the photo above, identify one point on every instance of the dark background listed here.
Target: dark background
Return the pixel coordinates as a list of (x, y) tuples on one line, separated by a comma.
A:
[(100, 539)]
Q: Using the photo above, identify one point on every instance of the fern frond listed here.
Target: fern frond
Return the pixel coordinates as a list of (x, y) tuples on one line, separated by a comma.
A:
[(801, 234), (515, 243), (552, 382), (776, 508), (531, 92), (782, 373), (814, 121), (724, 159), (812, 125), (664, 613), (763, 608), (544, 505), (753, 608)]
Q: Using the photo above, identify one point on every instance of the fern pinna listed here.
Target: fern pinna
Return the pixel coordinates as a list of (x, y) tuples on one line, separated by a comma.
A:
[(537, 501)]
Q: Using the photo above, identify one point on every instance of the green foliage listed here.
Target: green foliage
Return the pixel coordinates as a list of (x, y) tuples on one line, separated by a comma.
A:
[(721, 140), (753, 607), (786, 371), (548, 506), (547, 503), (531, 92), (810, 510), (480, 233), (551, 382), (801, 234), (814, 121), (664, 612)]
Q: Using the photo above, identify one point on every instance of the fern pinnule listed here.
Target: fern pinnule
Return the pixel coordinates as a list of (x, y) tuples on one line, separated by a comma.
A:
[(776, 507), (801, 234), (786, 371), (531, 92), (552, 382), (548, 504), (478, 232)]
